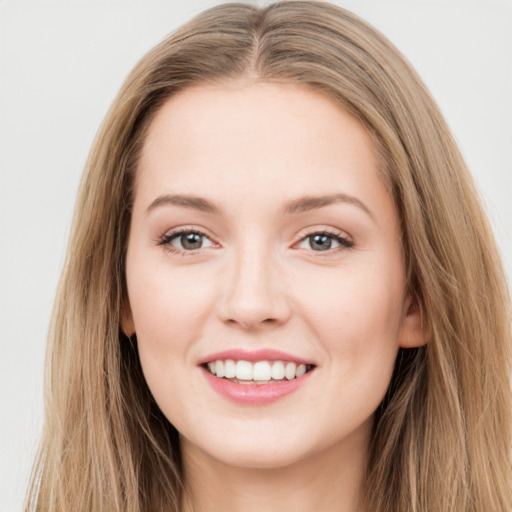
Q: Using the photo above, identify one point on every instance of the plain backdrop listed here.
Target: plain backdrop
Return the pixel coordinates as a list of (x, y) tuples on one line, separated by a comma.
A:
[(61, 64)]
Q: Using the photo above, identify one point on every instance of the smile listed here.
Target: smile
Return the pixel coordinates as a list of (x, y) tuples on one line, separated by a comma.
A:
[(255, 377), (257, 372)]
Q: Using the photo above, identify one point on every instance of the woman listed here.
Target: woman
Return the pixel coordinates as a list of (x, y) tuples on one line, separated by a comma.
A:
[(280, 289)]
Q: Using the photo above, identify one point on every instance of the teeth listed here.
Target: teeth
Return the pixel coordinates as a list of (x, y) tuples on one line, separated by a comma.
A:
[(260, 371), (289, 370), (229, 369), (219, 367), (278, 370), (301, 370), (243, 370)]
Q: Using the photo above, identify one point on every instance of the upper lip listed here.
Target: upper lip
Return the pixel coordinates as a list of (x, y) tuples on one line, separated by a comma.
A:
[(254, 355)]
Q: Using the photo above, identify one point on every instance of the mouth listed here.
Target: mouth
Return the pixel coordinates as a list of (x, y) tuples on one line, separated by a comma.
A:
[(257, 372), (256, 377)]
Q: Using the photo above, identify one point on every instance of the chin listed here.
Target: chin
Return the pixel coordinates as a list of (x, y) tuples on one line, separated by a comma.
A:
[(251, 452), (253, 458)]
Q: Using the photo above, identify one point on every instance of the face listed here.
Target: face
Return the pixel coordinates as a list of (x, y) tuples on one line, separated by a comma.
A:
[(263, 233)]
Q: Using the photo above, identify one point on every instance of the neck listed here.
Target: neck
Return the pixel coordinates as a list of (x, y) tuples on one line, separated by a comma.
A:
[(330, 480)]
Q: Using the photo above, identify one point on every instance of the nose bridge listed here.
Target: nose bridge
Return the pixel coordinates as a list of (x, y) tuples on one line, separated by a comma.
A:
[(254, 291)]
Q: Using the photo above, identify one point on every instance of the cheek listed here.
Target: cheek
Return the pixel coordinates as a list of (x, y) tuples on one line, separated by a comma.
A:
[(168, 310), (356, 320), (350, 303), (164, 299)]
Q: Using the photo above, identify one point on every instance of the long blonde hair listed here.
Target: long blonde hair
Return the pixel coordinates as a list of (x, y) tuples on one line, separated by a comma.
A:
[(442, 435)]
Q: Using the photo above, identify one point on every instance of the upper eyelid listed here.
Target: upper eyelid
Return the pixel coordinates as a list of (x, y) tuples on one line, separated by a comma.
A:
[(330, 231), (171, 233), (303, 233), (333, 232)]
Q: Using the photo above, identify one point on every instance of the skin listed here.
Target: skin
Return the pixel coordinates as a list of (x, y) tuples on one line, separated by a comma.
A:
[(259, 281)]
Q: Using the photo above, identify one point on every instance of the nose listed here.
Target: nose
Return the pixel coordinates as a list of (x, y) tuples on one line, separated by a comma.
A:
[(254, 292)]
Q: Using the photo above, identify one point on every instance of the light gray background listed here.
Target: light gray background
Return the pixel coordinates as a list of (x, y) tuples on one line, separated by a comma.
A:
[(62, 62)]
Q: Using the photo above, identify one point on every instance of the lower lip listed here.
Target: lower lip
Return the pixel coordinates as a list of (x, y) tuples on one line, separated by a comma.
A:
[(254, 394)]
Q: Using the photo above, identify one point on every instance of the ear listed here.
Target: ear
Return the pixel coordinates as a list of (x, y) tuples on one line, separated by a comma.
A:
[(127, 324), (414, 330)]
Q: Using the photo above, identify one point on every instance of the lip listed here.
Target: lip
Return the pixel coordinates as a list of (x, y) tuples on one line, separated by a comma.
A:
[(254, 394), (255, 355)]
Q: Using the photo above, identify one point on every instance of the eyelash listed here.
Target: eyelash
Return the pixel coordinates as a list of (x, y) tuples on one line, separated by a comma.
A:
[(344, 242), (165, 241)]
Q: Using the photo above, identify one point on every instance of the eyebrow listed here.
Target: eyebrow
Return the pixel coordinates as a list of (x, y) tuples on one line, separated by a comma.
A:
[(306, 203), (299, 205), (193, 202)]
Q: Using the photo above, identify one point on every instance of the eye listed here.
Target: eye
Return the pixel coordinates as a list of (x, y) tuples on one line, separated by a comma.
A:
[(185, 241), (325, 241)]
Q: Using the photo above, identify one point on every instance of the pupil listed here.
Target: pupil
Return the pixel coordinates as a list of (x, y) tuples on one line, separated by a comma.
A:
[(321, 242), (191, 241)]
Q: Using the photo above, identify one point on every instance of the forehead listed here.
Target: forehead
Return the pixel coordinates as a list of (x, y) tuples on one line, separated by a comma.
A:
[(241, 139), (256, 111)]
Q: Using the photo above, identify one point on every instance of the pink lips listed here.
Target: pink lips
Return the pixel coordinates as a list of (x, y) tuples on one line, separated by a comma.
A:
[(254, 394)]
